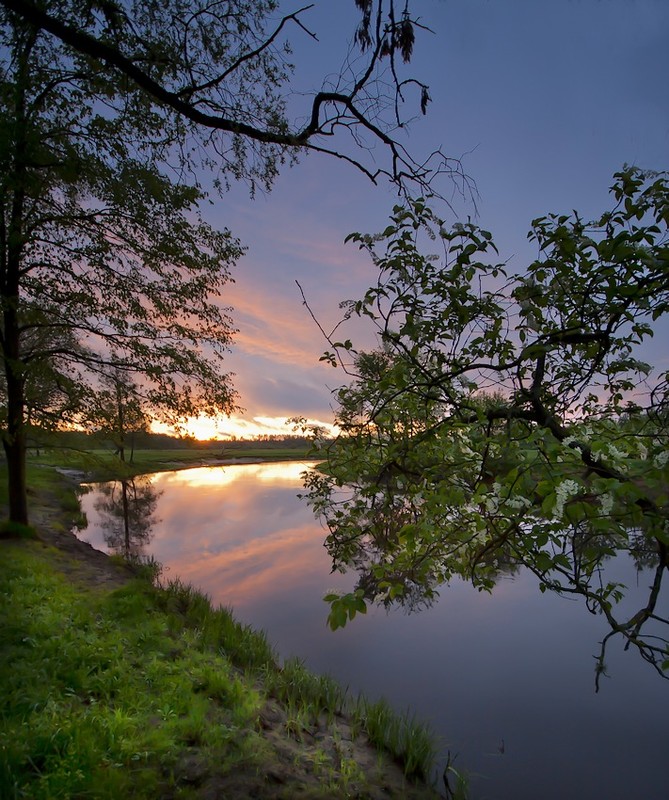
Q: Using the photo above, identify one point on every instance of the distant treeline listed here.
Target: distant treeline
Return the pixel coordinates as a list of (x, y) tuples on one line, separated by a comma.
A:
[(146, 440)]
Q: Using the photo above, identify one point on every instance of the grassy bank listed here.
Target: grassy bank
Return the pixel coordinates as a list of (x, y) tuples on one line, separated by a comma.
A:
[(124, 688)]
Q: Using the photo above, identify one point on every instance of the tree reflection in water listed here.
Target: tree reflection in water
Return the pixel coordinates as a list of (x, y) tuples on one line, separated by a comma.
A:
[(127, 514), (578, 561)]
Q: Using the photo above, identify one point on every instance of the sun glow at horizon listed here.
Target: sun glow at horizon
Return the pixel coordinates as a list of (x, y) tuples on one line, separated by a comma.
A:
[(238, 427)]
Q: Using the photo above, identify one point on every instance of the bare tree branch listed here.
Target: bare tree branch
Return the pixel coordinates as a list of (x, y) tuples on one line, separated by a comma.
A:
[(349, 106)]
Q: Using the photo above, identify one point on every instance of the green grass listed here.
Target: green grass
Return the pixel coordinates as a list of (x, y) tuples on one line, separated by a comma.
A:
[(215, 628), (408, 740), (101, 694), (307, 696), (16, 530)]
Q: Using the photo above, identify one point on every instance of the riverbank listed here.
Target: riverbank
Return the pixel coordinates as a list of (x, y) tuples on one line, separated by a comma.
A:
[(102, 464), (114, 687)]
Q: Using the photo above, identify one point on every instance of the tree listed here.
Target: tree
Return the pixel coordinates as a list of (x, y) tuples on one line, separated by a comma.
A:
[(107, 110), (118, 413), (52, 393), (105, 262), (508, 420)]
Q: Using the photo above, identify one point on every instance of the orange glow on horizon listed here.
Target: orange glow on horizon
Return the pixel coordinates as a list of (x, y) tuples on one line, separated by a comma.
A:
[(236, 427)]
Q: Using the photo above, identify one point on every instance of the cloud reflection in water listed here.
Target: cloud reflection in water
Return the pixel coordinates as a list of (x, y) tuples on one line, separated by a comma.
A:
[(236, 533)]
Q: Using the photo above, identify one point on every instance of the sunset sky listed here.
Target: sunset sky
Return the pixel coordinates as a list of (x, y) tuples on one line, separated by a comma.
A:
[(542, 101)]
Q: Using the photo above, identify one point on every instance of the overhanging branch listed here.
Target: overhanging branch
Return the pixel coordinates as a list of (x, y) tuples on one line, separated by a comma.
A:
[(404, 170)]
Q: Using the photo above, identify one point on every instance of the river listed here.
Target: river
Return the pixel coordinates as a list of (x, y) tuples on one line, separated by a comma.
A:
[(505, 680)]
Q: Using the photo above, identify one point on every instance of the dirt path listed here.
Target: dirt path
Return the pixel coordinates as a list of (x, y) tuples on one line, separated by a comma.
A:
[(78, 560)]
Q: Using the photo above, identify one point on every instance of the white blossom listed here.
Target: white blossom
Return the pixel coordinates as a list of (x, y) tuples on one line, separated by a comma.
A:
[(614, 452), (518, 502), (491, 503), (606, 503), (563, 491)]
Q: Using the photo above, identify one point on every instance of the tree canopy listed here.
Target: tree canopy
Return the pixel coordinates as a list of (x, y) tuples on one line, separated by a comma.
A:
[(105, 261), (507, 421)]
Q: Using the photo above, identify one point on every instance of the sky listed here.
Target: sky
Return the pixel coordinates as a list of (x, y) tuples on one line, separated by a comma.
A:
[(542, 100)]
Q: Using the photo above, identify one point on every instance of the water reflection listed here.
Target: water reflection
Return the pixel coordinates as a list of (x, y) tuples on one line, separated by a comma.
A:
[(285, 472), (238, 532), (515, 665), (126, 514)]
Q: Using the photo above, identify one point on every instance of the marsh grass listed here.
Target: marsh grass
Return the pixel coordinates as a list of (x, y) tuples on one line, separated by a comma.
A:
[(215, 628), (309, 696)]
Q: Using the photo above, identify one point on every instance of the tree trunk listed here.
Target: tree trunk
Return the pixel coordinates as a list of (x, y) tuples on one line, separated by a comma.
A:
[(120, 422), (13, 242), (14, 439), (16, 471)]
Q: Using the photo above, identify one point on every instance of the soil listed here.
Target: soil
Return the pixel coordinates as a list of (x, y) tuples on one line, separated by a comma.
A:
[(294, 766)]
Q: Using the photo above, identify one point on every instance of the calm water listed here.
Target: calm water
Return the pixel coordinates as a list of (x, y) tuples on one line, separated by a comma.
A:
[(515, 666)]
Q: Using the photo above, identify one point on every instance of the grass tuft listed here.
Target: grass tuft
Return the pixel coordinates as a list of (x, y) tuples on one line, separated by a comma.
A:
[(215, 628), (16, 530), (309, 695), (409, 741)]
